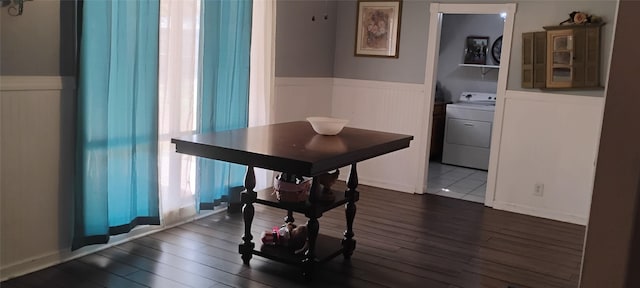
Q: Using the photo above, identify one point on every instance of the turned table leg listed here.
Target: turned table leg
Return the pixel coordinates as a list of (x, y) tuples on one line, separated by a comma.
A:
[(313, 227), (248, 197), (348, 244)]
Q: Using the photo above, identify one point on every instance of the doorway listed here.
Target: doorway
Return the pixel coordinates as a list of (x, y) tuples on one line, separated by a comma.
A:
[(464, 105), (437, 12)]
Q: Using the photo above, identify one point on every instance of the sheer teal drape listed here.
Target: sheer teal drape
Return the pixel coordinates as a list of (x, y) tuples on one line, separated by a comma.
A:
[(117, 133), (223, 100)]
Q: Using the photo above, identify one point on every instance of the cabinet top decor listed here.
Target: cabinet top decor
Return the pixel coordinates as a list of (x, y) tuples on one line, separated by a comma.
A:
[(573, 26), (577, 18)]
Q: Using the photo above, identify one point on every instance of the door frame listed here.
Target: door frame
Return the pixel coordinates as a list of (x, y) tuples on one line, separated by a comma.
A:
[(436, 11)]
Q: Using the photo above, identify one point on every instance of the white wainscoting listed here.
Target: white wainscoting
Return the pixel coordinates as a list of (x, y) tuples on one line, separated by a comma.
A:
[(37, 135), (298, 98), (384, 106), (36, 170), (548, 139), (37, 132)]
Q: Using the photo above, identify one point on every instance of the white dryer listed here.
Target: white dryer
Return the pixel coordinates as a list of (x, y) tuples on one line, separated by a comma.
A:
[(467, 138)]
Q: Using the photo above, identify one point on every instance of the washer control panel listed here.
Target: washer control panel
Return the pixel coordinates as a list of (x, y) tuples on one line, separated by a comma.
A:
[(477, 98)]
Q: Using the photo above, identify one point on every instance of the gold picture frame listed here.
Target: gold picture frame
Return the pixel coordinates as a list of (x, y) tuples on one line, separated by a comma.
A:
[(378, 28)]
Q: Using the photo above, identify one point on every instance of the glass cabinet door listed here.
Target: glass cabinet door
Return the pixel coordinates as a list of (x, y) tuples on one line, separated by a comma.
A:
[(559, 58)]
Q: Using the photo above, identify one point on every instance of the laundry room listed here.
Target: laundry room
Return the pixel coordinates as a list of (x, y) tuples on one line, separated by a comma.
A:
[(464, 104)]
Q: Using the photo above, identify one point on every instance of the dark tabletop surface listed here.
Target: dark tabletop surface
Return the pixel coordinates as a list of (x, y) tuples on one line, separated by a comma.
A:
[(292, 147)]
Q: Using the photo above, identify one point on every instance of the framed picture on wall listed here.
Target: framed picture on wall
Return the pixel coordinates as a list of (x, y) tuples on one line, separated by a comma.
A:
[(475, 50), (378, 28)]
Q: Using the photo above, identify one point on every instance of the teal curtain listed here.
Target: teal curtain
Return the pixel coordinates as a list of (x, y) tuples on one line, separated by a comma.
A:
[(117, 124), (223, 100)]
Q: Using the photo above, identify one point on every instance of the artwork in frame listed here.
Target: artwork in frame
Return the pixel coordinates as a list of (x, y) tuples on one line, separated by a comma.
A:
[(378, 28), (475, 50)]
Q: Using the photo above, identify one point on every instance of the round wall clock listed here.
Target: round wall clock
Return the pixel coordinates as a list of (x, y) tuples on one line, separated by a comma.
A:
[(496, 50)]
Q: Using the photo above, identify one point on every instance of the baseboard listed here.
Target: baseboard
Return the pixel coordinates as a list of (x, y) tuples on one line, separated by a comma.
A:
[(542, 213), (63, 255), (377, 183), (386, 185)]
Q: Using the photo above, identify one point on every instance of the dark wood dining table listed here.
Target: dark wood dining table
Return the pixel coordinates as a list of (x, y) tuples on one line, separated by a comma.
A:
[(295, 148)]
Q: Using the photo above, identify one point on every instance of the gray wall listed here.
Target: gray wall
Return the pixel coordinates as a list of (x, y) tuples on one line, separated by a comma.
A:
[(305, 48), (44, 44), (40, 42), (453, 78), (531, 15)]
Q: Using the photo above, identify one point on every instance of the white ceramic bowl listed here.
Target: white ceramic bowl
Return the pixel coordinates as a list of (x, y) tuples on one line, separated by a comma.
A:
[(327, 125)]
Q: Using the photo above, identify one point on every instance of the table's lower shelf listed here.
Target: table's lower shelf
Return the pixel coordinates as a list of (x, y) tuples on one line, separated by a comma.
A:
[(321, 247), (268, 197), (327, 248)]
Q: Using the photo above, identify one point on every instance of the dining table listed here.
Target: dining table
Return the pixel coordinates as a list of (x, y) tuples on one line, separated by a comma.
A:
[(295, 148)]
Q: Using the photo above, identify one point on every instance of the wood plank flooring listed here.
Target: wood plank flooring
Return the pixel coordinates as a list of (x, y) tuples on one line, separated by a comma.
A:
[(403, 240)]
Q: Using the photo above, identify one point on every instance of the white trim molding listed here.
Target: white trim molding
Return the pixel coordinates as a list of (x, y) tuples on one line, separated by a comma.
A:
[(541, 212), (378, 84), (33, 83), (303, 81)]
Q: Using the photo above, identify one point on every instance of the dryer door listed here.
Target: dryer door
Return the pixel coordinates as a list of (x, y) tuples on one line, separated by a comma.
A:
[(468, 132)]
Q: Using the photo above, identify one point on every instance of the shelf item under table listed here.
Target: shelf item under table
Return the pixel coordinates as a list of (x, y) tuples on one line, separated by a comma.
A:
[(327, 248)]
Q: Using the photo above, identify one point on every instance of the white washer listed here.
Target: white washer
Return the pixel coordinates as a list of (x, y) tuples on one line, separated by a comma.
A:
[(467, 137)]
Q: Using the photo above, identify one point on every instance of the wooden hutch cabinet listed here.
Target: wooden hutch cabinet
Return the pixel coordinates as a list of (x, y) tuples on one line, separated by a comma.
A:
[(566, 56)]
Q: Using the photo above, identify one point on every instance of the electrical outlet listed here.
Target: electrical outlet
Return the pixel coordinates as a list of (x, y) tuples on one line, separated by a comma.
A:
[(538, 189)]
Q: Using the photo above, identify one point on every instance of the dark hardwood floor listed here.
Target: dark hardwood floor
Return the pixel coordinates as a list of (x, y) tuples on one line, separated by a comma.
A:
[(403, 240)]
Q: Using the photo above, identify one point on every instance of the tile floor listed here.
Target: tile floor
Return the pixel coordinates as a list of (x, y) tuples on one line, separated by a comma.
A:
[(457, 182)]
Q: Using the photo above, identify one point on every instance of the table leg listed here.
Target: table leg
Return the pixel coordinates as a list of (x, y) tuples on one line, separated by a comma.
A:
[(348, 244), (248, 197), (313, 227)]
